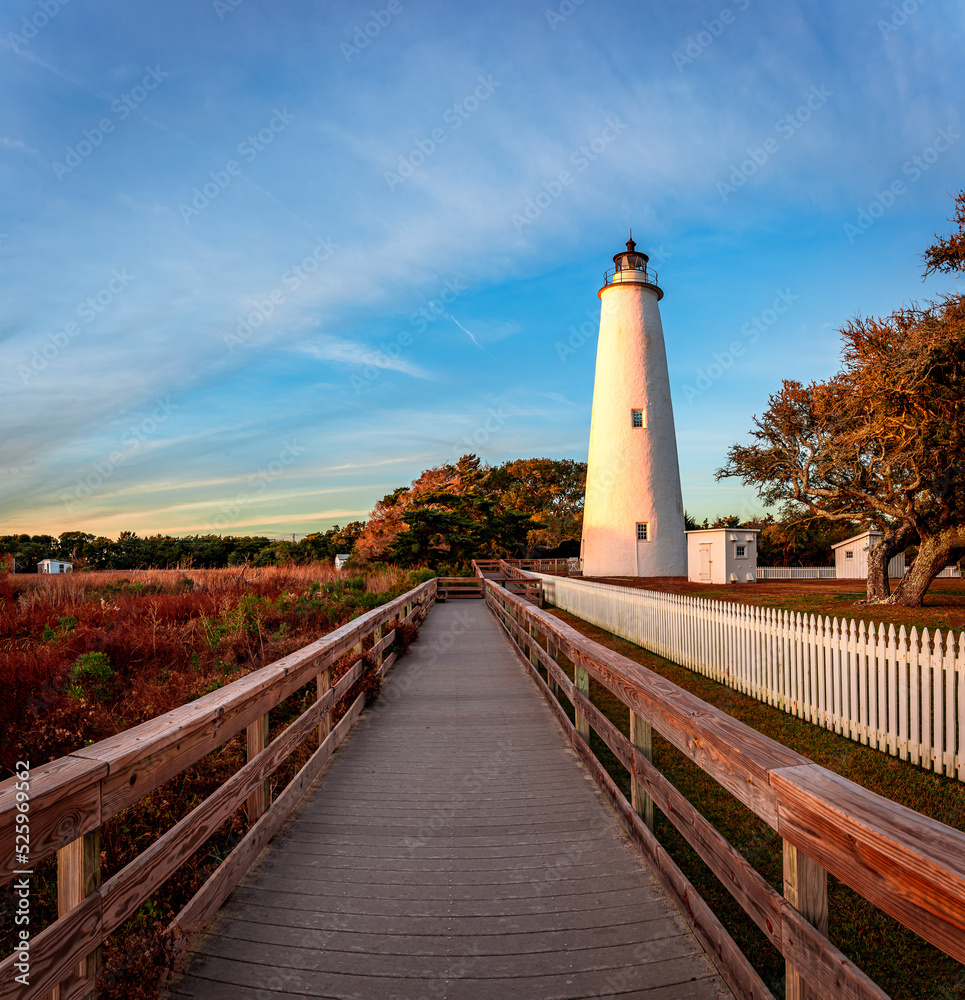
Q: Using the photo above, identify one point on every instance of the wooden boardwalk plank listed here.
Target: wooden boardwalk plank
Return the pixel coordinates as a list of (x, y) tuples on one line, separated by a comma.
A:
[(454, 849)]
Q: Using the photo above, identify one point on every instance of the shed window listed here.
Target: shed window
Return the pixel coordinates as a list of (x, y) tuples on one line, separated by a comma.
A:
[(741, 552), (639, 418), (643, 531), (848, 555)]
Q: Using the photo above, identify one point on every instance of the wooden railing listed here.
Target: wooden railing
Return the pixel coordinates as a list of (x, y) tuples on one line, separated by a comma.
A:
[(71, 798), (456, 587), (508, 575), (908, 865), (555, 566), (522, 584)]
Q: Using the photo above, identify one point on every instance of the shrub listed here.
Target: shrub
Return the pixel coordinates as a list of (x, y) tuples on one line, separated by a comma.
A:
[(91, 675)]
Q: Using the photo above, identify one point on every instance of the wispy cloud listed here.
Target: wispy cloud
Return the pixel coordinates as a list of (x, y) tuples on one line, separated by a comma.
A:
[(350, 352)]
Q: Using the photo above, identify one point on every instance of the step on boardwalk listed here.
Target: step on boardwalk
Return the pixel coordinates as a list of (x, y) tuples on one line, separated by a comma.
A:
[(453, 849)]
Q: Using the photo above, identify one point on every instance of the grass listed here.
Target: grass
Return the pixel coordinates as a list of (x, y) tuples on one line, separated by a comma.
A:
[(900, 962), (84, 656), (943, 606)]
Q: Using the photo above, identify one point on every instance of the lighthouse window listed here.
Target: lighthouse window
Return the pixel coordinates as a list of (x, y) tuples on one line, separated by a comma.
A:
[(639, 418), (643, 531), (741, 552)]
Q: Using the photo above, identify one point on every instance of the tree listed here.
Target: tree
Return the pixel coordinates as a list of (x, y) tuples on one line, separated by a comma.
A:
[(550, 490), (458, 512), (881, 442), (947, 253)]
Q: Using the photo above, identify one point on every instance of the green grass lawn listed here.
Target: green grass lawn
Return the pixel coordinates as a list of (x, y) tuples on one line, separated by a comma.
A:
[(895, 958)]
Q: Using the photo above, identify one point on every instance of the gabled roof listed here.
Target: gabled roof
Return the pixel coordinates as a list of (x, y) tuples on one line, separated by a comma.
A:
[(857, 538)]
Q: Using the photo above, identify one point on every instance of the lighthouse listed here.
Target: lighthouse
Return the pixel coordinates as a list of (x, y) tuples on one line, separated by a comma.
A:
[(633, 519)]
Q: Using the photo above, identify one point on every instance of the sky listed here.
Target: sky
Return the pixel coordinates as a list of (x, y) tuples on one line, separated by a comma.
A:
[(263, 262)]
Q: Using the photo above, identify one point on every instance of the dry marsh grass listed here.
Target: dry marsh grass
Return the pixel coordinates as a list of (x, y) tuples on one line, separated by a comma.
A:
[(87, 655)]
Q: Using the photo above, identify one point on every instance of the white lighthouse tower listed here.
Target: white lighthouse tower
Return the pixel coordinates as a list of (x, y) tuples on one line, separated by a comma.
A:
[(633, 520)]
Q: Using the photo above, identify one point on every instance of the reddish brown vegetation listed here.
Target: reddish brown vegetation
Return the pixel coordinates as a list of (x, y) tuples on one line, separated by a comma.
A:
[(943, 606), (169, 637)]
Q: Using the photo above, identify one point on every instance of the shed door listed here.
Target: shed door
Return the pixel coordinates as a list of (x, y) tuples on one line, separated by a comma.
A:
[(705, 563)]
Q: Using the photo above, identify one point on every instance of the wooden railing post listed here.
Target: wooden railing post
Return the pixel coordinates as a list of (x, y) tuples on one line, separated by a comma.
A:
[(376, 639), (78, 875), (257, 740), (554, 651), (322, 684), (582, 680), (641, 736), (806, 889)]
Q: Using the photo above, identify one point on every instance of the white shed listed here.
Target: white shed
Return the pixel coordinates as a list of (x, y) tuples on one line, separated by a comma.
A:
[(54, 566), (851, 557), (341, 559), (722, 555)]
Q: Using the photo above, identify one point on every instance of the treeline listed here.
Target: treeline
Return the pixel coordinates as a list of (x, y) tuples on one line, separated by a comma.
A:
[(449, 515), (129, 551), (789, 542)]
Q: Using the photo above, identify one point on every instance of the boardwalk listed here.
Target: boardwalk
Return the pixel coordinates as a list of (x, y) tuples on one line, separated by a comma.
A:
[(453, 849)]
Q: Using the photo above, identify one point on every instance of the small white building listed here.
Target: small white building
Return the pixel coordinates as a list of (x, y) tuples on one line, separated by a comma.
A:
[(722, 555), (341, 559), (851, 557), (54, 566)]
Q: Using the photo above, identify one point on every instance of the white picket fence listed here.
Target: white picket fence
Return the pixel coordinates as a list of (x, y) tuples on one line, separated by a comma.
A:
[(830, 572), (903, 693), (796, 572)]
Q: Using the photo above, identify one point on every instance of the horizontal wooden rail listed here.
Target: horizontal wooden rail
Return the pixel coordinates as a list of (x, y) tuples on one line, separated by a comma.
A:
[(72, 797), (910, 866), (458, 587)]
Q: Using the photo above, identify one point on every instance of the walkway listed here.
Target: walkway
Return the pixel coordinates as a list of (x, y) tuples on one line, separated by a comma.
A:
[(453, 849)]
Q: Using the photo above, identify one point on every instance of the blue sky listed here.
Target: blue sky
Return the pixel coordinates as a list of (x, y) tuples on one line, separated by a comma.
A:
[(264, 262)]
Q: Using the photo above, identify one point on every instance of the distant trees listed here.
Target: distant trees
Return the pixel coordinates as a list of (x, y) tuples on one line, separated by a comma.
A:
[(882, 442), (130, 551)]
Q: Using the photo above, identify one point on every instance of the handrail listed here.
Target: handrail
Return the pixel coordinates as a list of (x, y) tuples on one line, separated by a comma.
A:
[(73, 796), (610, 277), (908, 865)]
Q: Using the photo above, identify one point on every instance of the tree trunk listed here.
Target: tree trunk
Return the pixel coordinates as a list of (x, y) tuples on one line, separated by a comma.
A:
[(934, 554), (892, 541)]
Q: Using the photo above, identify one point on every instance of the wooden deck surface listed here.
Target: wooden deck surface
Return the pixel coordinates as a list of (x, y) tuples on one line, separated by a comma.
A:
[(454, 848)]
